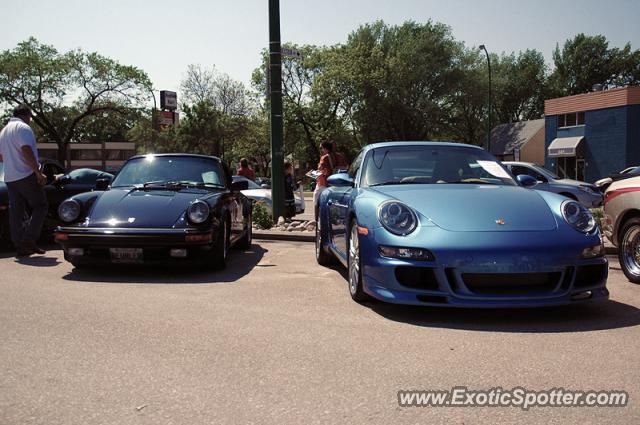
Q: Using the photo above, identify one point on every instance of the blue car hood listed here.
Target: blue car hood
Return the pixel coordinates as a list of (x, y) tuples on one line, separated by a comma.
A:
[(142, 209), (479, 208)]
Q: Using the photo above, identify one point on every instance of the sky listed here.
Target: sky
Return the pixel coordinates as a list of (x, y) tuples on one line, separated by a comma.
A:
[(163, 37)]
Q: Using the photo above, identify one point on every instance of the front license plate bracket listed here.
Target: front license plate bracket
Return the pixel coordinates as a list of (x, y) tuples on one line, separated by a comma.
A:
[(126, 255)]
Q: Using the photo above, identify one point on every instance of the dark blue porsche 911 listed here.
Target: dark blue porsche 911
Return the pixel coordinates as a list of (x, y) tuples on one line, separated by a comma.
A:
[(445, 224)]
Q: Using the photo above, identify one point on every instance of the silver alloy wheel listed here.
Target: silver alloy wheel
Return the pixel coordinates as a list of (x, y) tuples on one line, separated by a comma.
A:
[(631, 250), (354, 261)]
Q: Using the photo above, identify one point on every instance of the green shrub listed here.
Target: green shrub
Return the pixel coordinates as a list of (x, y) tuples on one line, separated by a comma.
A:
[(598, 215), (261, 217)]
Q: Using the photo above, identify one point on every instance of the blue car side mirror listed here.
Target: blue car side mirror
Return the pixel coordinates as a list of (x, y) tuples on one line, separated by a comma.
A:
[(526, 180), (340, 180)]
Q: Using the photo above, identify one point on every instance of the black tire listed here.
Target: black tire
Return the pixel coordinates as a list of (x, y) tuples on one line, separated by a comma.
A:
[(220, 250), (323, 257), (355, 265), (629, 249), (247, 239)]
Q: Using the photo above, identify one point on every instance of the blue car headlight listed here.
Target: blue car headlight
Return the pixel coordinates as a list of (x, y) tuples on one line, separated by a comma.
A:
[(397, 218), (578, 216), (69, 210), (198, 212)]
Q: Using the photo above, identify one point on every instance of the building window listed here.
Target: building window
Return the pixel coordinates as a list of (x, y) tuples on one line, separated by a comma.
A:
[(86, 154), (571, 120)]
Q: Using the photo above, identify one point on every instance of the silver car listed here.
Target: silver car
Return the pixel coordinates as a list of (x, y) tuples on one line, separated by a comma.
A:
[(622, 224), (585, 193), (263, 195)]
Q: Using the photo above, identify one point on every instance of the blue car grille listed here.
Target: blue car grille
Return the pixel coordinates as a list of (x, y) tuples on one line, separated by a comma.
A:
[(511, 283), (417, 277), (590, 275)]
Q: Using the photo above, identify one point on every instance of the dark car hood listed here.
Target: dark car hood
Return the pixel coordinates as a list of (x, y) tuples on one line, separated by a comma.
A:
[(142, 209), (477, 207)]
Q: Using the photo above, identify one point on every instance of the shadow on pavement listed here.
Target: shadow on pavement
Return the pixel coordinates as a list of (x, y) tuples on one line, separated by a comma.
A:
[(38, 261), (571, 318), (239, 264)]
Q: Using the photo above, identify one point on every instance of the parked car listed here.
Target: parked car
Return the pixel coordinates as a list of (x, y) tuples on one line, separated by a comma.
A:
[(585, 193), (159, 208), (264, 182), (604, 183), (445, 224), (60, 185), (263, 195), (622, 224)]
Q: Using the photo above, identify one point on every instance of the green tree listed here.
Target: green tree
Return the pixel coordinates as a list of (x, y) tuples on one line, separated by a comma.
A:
[(588, 60), (65, 90)]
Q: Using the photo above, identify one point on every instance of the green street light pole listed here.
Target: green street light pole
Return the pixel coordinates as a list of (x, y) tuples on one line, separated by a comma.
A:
[(275, 76), (482, 47)]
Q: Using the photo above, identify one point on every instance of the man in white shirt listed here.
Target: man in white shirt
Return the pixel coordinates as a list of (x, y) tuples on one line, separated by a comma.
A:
[(24, 181)]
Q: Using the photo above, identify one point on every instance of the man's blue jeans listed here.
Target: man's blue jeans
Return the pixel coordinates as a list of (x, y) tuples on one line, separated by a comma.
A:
[(22, 193)]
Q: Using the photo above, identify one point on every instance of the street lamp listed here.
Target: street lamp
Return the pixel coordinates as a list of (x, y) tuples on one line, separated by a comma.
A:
[(482, 47)]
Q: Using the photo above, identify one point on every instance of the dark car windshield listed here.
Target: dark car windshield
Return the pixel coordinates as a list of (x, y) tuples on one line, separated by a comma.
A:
[(252, 184), (170, 169), (420, 164)]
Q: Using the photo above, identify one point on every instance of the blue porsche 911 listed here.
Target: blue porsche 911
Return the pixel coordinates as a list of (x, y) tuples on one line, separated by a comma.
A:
[(445, 224)]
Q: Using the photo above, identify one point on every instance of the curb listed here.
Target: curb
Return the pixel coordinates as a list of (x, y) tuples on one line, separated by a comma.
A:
[(284, 236)]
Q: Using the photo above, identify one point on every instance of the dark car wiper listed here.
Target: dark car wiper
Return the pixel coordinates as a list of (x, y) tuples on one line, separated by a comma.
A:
[(390, 182), (188, 183)]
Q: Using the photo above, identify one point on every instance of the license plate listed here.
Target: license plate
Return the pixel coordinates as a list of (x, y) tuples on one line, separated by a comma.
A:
[(126, 255)]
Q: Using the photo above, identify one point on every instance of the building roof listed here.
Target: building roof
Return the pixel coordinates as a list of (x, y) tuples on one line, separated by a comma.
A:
[(591, 101), (505, 138)]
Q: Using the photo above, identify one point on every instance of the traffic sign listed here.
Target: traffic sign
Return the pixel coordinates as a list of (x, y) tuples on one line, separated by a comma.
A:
[(292, 53)]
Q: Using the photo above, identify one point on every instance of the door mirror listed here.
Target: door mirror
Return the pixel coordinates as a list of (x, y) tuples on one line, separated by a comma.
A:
[(102, 184), (239, 185), (340, 180), (526, 180)]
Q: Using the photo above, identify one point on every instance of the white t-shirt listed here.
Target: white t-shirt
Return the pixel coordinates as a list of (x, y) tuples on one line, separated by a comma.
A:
[(13, 137)]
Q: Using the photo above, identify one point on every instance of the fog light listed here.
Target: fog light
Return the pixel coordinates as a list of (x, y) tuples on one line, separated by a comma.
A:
[(593, 251), (406, 253), (178, 253), (75, 252)]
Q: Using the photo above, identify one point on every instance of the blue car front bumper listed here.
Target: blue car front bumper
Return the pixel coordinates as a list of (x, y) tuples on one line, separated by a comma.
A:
[(484, 269)]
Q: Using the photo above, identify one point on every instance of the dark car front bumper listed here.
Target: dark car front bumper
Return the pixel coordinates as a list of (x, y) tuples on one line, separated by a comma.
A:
[(156, 245)]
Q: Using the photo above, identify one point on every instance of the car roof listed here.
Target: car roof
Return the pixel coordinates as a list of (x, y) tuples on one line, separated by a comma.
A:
[(192, 155), (420, 143)]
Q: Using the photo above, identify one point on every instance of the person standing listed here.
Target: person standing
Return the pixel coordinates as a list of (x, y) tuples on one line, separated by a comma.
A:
[(24, 180), (290, 186), (245, 170), (325, 167)]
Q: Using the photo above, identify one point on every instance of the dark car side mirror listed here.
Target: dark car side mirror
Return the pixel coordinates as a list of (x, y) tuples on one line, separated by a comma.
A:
[(239, 185), (526, 180), (340, 180), (102, 184)]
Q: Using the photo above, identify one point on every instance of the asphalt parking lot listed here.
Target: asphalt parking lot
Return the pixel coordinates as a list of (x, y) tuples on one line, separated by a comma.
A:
[(276, 339)]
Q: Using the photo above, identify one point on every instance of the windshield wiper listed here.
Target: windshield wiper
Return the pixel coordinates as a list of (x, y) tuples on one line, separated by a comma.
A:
[(188, 183), (390, 182)]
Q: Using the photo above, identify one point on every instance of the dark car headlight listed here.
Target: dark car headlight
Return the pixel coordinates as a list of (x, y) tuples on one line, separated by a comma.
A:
[(198, 212), (397, 218), (69, 210), (578, 216)]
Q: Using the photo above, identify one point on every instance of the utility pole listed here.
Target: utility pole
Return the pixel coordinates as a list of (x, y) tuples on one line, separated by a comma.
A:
[(482, 47), (275, 68)]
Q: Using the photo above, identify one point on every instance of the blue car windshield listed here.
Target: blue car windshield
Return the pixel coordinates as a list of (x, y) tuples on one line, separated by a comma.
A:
[(432, 164), (170, 169)]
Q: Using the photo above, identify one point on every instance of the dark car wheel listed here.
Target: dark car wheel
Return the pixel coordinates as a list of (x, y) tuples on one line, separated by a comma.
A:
[(322, 256), (221, 248), (245, 242), (355, 266), (629, 250)]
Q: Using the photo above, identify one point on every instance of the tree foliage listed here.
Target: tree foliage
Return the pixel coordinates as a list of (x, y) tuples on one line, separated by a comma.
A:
[(65, 90), (588, 60)]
